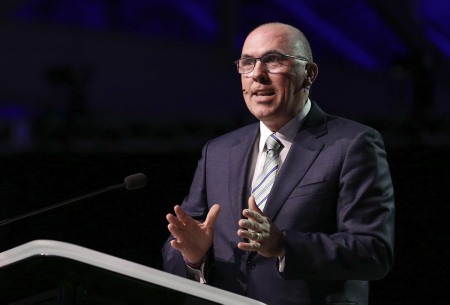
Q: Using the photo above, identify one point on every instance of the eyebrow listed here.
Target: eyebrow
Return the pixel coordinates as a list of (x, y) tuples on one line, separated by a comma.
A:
[(265, 53)]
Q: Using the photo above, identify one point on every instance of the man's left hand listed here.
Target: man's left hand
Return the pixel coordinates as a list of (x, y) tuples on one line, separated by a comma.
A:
[(265, 237)]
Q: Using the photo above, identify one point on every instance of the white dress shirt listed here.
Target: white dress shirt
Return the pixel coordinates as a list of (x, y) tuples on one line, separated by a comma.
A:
[(286, 135)]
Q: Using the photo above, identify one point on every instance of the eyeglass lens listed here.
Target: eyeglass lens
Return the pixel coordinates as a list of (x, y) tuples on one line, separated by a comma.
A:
[(270, 62)]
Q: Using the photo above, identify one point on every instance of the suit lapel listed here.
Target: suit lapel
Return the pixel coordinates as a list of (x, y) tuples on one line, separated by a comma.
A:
[(240, 155), (303, 152)]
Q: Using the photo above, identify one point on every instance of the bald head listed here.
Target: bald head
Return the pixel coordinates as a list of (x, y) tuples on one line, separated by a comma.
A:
[(298, 43)]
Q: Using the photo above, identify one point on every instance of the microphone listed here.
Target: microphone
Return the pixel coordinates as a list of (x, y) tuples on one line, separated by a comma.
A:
[(135, 182), (130, 183)]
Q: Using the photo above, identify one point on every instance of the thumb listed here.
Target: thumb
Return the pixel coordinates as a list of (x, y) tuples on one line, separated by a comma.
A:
[(212, 215), (253, 206)]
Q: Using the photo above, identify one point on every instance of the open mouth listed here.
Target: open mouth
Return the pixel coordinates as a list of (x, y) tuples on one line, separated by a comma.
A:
[(264, 93)]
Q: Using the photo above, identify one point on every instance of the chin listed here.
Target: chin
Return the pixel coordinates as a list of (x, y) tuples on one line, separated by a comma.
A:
[(263, 116)]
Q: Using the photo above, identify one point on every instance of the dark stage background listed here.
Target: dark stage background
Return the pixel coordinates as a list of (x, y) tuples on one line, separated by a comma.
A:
[(93, 91)]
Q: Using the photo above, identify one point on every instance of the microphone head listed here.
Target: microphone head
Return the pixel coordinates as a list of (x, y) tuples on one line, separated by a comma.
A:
[(135, 181)]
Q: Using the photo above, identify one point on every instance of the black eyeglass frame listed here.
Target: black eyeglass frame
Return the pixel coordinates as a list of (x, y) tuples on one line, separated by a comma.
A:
[(236, 62)]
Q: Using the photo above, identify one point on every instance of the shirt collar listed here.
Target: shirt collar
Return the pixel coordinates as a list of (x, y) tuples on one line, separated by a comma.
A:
[(286, 133)]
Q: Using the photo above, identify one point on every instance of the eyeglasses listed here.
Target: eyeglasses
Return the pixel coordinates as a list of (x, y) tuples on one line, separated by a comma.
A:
[(271, 62)]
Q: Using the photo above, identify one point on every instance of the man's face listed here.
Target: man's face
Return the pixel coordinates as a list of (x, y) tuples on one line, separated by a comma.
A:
[(274, 97)]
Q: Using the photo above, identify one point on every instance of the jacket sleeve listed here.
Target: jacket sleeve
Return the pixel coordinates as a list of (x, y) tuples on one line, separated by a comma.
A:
[(195, 204), (362, 246)]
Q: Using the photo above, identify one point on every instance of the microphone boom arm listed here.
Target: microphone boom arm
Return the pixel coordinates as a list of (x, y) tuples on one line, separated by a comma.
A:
[(131, 182)]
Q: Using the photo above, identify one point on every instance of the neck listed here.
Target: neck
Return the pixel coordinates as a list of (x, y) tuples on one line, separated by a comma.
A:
[(276, 124)]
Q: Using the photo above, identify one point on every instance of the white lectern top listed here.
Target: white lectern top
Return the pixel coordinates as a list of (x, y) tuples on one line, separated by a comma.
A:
[(121, 266)]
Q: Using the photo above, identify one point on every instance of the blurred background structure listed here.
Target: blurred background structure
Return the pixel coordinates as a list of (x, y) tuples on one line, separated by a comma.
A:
[(94, 90)]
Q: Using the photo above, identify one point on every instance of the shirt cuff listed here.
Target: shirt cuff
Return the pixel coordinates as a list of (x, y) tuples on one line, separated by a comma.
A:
[(281, 264), (197, 275)]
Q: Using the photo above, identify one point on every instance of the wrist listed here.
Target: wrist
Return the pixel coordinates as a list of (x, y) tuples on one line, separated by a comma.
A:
[(194, 266)]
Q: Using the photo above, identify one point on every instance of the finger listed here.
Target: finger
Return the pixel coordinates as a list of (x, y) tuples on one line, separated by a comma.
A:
[(175, 221), (254, 216), (255, 236), (250, 224), (212, 215), (249, 246), (177, 233), (182, 215), (176, 245)]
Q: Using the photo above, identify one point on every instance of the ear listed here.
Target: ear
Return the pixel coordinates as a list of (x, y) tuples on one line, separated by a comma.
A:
[(311, 73)]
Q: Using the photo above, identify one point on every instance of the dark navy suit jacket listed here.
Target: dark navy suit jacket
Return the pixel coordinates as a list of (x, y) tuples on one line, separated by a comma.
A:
[(334, 198)]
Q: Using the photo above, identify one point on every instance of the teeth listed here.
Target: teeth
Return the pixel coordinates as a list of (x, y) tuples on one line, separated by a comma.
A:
[(263, 93)]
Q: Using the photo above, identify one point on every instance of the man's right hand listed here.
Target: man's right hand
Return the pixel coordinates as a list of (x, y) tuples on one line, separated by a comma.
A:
[(192, 238)]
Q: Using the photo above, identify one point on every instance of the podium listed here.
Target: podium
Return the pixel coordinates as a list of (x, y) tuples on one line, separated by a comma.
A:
[(47, 272)]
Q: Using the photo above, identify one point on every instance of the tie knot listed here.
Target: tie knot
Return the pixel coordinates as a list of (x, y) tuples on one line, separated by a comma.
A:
[(273, 143)]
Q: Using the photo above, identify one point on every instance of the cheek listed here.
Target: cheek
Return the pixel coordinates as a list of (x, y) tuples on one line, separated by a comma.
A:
[(246, 99), (245, 81), (288, 91), (246, 89)]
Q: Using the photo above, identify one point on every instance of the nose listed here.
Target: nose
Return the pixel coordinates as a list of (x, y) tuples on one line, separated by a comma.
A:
[(259, 72)]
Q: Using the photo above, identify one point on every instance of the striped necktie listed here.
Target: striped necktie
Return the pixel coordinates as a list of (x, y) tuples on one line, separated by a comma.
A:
[(266, 178)]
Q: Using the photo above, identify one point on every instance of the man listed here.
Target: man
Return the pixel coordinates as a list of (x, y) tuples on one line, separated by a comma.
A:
[(317, 232)]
